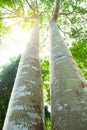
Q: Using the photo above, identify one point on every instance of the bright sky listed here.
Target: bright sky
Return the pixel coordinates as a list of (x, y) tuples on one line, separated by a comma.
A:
[(14, 44)]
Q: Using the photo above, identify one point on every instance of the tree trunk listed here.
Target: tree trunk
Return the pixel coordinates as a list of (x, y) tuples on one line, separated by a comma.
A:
[(68, 87), (25, 111)]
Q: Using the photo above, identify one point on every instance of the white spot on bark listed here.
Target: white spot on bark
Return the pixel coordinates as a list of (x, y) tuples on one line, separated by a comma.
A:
[(25, 66), (65, 105), (29, 93), (27, 80), (33, 82), (24, 73), (82, 102), (85, 89), (34, 67), (21, 126), (21, 88), (55, 82), (68, 90), (20, 91), (34, 115), (60, 108), (17, 107)]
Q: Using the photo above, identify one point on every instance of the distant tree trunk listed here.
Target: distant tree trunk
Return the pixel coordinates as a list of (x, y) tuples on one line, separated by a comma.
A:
[(68, 87), (25, 111)]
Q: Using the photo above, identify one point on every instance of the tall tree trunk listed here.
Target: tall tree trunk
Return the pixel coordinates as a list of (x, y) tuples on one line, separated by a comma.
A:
[(25, 111), (68, 87)]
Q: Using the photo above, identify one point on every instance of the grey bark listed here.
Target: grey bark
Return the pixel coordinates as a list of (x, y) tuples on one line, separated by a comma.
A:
[(25, 110), (68, 87)]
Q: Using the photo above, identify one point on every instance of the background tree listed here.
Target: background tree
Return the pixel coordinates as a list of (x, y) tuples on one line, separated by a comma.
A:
[(7, 77), (79, 52), (72, 16)]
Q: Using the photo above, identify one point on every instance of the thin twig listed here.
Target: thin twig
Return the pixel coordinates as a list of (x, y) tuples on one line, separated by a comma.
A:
[(7, 9), (30, 6), (70, 13), (9, 17), (71, 22), (15, 17), (62, 30)]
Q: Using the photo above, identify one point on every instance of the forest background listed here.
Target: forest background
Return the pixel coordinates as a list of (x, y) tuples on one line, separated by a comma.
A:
[(15, 14)]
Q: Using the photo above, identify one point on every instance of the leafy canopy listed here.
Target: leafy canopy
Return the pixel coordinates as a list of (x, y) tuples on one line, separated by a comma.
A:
[(71, 21)]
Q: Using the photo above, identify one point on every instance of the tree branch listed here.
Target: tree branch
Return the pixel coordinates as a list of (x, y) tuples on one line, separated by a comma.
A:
[(7, 9), (71, 22), (30, 6), (70, 13), (9, 17), (15, 17), (62, 30), (56, 10)]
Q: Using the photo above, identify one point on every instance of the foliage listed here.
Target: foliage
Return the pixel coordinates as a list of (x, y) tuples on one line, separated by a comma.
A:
[(72, 19), (71, 22), (79, 53), (45, 77), (47, 119), (7, 77), (72, 14)]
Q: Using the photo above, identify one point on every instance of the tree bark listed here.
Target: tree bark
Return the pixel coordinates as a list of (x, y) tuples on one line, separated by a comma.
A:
[(56, 10), (68, 87), (25, 111)]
